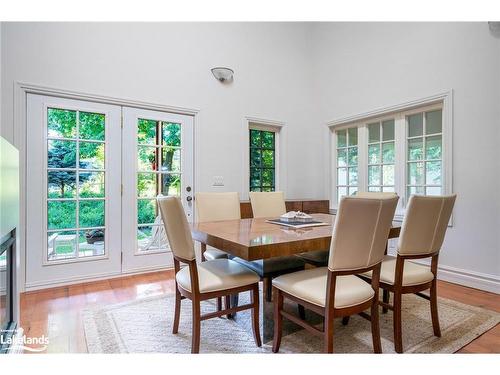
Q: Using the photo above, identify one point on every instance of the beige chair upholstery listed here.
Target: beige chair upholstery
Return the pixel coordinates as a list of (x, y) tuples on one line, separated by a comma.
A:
[(413, 274), (218, 274), (425, 224), (217, 207), (177, 227), (310, 286), (271, 204)]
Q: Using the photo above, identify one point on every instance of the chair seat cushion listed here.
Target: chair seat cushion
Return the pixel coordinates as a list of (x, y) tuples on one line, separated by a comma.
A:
[(218, 274), (317, 258), (212, 253), (310, 286), (273, 266), (413, 274)]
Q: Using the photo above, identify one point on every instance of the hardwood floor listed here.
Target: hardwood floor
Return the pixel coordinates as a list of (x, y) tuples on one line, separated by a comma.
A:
[(56, 313)]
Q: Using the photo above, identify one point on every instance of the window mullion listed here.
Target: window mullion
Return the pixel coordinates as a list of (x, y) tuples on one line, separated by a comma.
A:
[(400, 159), (362, 157)]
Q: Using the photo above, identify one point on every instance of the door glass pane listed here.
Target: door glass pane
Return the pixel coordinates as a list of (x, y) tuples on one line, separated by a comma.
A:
[(433, 190), (433, 173), (91, 184), (415, 149), (388, 174), (91, 242), (353, 190), (352, 136), (416, 173), (152, 237), (388, 189), (374, 189), (91, 213), (374, 154), (91, 126), (374, 175), (171, 159), (341, 138), (146, 132), (170, 184), (342, 176), (415, 190), (146, 158), (433, 122), (388, 152), (415, 125), (61, 184), (61, 245), (388, 130), (146, 185), (146, 211), (61, 214), (91, 155), (171, 134), (61, 154), (374, 132), (353, 176), (61, 123), (433, 147), (341, 192)]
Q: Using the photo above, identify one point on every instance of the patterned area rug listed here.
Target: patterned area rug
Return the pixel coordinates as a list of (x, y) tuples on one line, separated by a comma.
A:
[(144, 326)]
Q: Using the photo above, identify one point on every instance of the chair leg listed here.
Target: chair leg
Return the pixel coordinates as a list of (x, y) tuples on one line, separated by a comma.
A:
[(219, 303), (374, 319), (434, 309), (195, 344), (385, 298), (278, 319), (177, 311), (345, 320), (227, 302), (329, 331), (203, 247), (398, 335), (268, 286), (302, 311), (255, 315)]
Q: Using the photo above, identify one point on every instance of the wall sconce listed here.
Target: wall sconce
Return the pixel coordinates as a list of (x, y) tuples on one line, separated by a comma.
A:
[(223, 74)]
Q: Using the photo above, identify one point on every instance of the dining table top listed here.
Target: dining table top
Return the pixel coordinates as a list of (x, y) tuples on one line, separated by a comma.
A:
[(253, 239)]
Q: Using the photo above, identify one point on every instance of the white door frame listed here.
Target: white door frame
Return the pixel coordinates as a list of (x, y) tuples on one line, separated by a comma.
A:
[(20, 92)]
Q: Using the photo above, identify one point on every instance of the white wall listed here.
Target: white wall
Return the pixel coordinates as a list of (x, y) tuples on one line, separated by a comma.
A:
[(170, 64), (365, 66)]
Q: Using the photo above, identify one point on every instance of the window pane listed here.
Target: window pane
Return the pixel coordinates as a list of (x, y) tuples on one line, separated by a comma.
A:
[(374, 175), (415, 173), (415, 125), (267, 139), (353, 136), (171, 184), (341, 138), (374, 154), (61, 123), (146, 131), (342, 157), (373, 132), (61, 214), (342, 176), (268, 189), (146, 185), (61, 154), (352, 156), (171, 159), (255, 157), (415, 149), (433, 122), (255, 139), (171, 134), (388, 189), (91, 184), (254, 188), (255, 175), (267, 177), (341, 192), (433, 147), (415, 190), (61, 184), (433, 190), (91, 126), (61, 245), (91, 243), (374, 189), (388, 152), (353, 176), (433, 173), (91, 213), (91, 155), (268, 158), (146, 211), (146, 158), (353, 190), (388, 174), (388, 130)]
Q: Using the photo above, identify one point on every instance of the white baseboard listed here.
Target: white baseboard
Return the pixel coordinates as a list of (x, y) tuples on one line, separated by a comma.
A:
[(477, 280)]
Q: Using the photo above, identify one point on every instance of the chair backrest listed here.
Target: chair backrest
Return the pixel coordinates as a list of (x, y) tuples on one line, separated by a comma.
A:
[(217, 206), (271, 204), (360, 232), (425, 224), (177, 227), (374, 194)]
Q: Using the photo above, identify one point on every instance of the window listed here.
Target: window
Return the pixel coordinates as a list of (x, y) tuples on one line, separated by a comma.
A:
[(402, 152), (262, 160), (75, 184), (347, 161)]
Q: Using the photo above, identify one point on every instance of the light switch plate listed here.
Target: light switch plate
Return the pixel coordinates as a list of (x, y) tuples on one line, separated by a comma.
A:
[(218, 181)]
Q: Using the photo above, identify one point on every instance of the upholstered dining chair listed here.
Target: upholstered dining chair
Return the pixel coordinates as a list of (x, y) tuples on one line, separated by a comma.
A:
[(422, 235), (360, 233), (272, 205), (207, 280)]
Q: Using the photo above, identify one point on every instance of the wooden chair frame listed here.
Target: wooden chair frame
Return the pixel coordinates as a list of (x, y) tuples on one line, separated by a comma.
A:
[(196, 297), (398, 290), (329, 312)]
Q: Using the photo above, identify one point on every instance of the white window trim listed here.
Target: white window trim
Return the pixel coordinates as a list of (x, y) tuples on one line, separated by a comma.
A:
[(398, 112), (277, 127)]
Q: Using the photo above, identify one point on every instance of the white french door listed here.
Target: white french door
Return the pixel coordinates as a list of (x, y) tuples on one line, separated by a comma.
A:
[(158, 161), (93, 174)]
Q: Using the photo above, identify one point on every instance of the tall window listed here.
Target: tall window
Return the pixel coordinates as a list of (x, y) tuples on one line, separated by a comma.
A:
[(400, 152), (347, 161), (262, 160)]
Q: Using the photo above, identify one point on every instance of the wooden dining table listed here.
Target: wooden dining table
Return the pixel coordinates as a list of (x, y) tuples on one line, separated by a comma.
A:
[(254, 239)]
